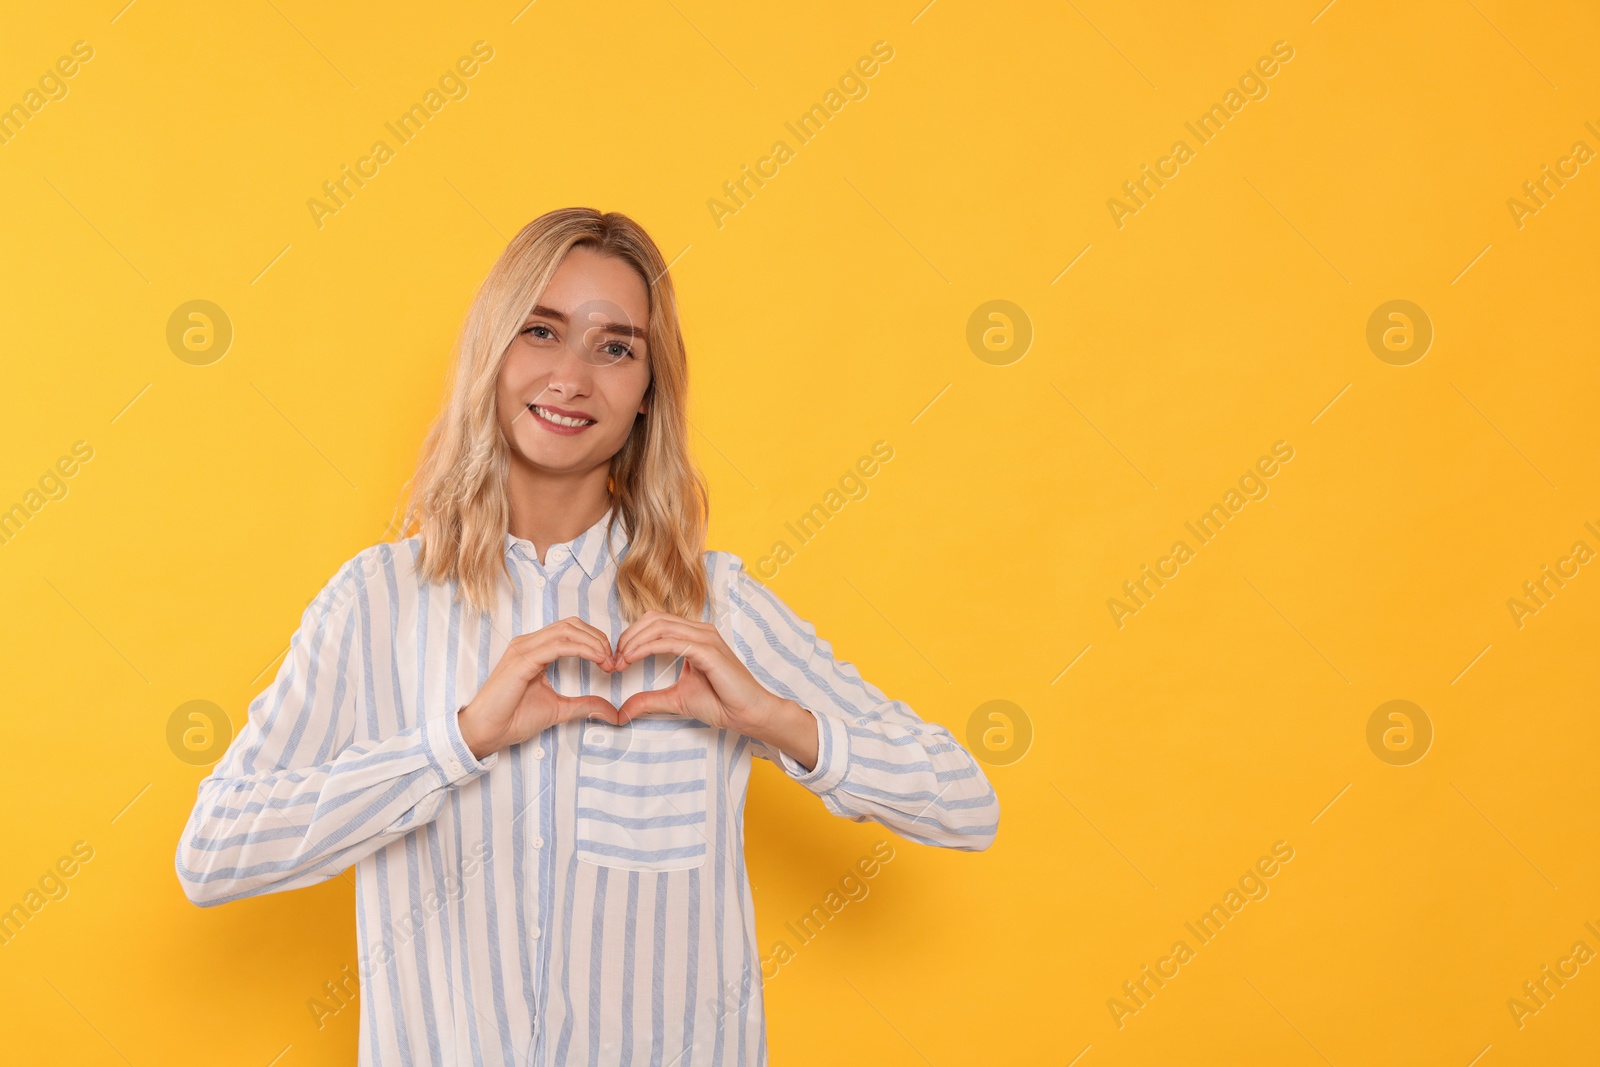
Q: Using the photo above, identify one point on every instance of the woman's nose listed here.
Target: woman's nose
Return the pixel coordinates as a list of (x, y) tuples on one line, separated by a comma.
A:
[(572, 367)]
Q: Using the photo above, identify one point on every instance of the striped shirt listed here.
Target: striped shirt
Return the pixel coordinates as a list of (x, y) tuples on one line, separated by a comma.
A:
[(581, 897)]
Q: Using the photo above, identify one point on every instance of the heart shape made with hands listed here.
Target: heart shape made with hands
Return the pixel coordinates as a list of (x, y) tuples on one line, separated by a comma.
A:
[(647, 674)]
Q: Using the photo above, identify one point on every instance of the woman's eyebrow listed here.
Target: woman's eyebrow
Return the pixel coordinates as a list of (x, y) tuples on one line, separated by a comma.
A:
[(610, 327)]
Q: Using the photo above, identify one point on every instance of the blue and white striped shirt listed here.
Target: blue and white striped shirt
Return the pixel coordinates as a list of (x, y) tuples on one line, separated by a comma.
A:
[(577, 898)]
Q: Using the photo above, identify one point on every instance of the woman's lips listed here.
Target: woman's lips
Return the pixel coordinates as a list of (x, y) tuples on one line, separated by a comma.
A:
[(556, 427)]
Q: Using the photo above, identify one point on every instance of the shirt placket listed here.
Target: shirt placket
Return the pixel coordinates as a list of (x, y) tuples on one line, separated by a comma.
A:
[(541, 775)]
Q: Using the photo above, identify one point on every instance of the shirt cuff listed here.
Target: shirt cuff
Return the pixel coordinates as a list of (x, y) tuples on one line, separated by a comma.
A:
[(448, 752), (833, 756)]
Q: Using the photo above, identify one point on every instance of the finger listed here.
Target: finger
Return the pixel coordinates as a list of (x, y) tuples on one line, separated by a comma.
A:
[(691, 648), (544, 648), (584, 646), (649, 623), (647, 701), (630, 646), (642, 624), (589, 628), (523, 652), (602, 639), (586, 707)]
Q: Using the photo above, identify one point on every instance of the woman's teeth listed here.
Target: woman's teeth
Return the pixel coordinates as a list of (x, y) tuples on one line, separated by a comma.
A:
[(559, 420)]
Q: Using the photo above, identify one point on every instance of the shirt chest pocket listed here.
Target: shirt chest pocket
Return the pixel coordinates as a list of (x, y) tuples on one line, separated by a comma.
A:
[(643, 789)]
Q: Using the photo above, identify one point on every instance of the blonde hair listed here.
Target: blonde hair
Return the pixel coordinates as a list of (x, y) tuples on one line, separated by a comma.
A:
[(457, 499)]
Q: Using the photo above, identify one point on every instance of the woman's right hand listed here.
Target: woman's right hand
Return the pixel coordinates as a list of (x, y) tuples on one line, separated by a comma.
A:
[(517, 700)]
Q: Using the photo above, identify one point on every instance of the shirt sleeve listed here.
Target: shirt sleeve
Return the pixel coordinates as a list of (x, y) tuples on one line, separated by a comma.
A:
[(876, 758), (296, 799)]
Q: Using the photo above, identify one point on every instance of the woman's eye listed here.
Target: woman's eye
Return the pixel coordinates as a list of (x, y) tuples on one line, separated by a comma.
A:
[(533, 331), (625, 350)]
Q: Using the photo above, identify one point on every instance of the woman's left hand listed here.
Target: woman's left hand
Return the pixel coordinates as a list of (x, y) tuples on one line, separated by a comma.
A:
[(714, 687)]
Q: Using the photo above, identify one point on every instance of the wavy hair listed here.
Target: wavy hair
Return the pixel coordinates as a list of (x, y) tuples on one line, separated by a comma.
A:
[(457, 500)]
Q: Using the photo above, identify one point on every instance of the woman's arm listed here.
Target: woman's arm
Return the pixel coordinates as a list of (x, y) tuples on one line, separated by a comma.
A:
[(876, 758), (295, 800)]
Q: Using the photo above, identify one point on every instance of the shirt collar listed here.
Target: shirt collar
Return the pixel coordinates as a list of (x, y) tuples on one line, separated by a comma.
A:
[(588, 548)]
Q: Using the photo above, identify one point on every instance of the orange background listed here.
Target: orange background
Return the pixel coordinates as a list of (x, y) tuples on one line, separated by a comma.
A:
[(1144, 768)]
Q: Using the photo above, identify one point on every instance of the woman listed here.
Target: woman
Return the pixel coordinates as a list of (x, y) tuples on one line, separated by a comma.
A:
[(529, 725)]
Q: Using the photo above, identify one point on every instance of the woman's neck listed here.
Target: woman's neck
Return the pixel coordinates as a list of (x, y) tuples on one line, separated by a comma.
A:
[(551, 510)]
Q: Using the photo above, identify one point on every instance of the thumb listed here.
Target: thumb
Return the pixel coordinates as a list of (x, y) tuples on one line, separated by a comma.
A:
[(649, 700), (586, 707)]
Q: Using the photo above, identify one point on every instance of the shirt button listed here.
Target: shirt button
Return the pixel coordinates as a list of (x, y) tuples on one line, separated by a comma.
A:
[(453, 767), (534, 933), (538, 580), (538, 753), (538, 842)]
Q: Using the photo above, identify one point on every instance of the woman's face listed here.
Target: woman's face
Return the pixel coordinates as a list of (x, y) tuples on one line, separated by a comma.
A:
[(580, 355)]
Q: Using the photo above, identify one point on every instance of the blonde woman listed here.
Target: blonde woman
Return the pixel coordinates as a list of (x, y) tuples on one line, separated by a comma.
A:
[(529, 725)]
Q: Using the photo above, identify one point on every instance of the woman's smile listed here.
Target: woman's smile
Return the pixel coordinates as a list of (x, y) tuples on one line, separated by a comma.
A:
[(560, 420)]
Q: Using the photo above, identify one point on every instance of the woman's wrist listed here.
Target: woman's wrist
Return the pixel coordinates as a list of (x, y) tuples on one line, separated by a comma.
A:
[(476, 743), (787, 726)]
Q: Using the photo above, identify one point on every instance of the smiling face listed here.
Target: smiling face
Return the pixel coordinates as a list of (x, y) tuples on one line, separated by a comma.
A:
[(573, 381)]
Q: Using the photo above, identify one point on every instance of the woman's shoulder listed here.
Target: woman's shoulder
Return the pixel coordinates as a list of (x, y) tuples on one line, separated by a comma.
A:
[(370, 570), (719, 562), (736, 581), (723, 569), (398, 556)]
